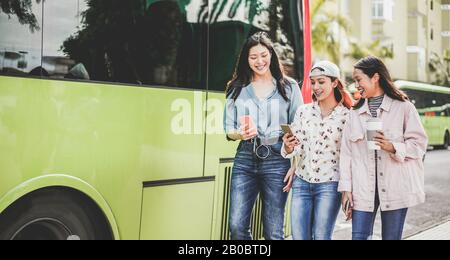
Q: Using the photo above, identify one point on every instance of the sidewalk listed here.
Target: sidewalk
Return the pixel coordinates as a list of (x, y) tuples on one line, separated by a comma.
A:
[(439, 232)]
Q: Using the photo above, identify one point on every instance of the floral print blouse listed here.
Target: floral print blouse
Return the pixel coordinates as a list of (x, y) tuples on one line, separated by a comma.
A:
[(320, 141)]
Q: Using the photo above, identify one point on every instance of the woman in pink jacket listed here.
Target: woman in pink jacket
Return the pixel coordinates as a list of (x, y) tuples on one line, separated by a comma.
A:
[(391, 178)]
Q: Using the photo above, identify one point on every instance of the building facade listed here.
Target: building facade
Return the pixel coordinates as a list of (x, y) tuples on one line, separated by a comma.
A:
[(415, 30)]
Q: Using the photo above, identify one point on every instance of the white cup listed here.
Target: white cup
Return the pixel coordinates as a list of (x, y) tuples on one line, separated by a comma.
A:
[(373, 125)]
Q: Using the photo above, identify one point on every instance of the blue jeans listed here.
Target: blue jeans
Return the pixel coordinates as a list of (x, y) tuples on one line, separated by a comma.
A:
[(251, 177), (392, 223), (315, 208)]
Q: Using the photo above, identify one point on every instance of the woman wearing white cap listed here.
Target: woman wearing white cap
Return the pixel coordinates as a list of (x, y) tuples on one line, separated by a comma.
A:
[(316, 145)]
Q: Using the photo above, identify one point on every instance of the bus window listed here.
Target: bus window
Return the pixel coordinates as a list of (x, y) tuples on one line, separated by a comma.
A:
[(232, 22), (424, 99), (61, 19), (135, 42), (20, 41)]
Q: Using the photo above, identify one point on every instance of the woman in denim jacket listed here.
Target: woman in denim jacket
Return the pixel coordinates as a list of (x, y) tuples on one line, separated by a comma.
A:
[(259, 99)]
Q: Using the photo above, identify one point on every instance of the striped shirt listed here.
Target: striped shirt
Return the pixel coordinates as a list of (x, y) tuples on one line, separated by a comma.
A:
[(374, 104)]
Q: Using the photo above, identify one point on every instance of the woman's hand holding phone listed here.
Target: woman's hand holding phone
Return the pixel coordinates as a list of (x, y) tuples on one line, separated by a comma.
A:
[(248, 129), (290, 142)]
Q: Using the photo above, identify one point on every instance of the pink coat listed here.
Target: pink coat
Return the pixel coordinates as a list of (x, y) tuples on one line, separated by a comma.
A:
[(400, 175)]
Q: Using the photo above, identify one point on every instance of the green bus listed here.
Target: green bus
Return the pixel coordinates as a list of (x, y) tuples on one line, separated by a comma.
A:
[(433, 105), (111, 114)]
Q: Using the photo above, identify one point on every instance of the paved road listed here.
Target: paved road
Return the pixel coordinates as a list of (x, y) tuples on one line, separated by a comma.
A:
[(435, 211)]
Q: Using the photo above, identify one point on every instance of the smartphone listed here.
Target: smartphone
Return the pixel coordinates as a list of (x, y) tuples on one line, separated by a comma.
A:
[(287, 129), (248, 121)]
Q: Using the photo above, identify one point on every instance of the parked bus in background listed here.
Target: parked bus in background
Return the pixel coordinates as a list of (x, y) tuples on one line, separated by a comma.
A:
[(117, 134), (433, 104)]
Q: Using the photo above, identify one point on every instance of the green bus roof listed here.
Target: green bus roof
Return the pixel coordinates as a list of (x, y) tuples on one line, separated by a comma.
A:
[(421, 87), (403, 84), (434, 109)]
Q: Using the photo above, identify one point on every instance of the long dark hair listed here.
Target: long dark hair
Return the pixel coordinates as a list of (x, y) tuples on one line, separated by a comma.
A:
[(372, 65), (243, 74)]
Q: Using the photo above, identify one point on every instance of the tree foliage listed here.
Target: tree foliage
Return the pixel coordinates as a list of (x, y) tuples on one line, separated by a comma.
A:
[(22, 9), (440, 69), (330, 30)]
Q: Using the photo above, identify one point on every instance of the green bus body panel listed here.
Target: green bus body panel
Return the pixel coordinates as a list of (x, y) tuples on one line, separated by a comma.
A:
[(221, 202), (182, 211), (217, 147), (436, 128), (112, 137)]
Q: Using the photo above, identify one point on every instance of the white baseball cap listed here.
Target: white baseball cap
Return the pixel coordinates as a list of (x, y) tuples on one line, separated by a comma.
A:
[(325, 68)]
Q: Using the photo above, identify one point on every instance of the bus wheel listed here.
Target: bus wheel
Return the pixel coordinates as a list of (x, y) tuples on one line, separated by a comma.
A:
[(54, 214)]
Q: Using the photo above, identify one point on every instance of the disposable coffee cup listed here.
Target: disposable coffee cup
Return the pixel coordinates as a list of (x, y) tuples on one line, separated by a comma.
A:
[(373, 126)]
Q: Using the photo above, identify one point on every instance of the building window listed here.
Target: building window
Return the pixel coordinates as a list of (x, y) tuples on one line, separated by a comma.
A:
[(377, 9), (432, 5), (346, 6), (382, 9), (432, 34)]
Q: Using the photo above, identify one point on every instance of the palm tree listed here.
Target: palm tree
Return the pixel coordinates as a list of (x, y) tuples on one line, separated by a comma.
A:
[(325, 35), (439, 69), (361, 50), (325, 38)]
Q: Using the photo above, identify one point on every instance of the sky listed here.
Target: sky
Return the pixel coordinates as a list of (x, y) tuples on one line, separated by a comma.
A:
[(61, 19)]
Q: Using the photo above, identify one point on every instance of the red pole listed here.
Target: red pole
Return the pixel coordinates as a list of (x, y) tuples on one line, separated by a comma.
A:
[(306, 88)]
